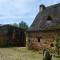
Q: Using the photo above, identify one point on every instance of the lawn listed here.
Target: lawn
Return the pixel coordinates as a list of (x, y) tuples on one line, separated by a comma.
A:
[(20, 53)]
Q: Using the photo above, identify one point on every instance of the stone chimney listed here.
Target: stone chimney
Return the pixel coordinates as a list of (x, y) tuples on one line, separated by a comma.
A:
[(42, 7)]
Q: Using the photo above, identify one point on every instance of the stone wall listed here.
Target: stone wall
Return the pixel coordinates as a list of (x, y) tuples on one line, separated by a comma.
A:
[(41, 40)]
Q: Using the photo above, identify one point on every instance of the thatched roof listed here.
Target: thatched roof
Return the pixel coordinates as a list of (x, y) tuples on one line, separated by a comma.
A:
[(47, 19), (9, 26)]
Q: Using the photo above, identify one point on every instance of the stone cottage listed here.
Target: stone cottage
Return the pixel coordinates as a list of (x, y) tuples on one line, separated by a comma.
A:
[(45, 28), (11, 36)]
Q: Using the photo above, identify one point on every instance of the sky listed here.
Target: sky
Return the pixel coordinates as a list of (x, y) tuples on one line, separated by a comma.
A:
[(15, 11)]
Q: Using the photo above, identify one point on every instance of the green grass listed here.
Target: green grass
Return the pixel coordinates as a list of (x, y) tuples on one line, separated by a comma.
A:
[(17, 53)]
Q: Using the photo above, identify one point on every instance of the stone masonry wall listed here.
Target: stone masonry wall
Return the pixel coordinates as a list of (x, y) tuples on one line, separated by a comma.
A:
[(41, 40)]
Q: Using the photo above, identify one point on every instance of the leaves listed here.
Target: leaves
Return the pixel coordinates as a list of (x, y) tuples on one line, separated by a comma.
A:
[(22, 25)]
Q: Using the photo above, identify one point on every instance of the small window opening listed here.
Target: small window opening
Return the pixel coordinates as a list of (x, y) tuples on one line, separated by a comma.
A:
[(52, 45), (39, 39), (49, 18)]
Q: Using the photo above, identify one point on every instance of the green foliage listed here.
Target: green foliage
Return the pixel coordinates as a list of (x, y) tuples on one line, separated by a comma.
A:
[(23, 25), (57, 41), (57, 44), (15, 24)]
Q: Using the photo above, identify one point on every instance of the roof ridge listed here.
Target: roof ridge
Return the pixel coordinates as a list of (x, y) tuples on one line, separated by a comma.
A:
[(58, 4)]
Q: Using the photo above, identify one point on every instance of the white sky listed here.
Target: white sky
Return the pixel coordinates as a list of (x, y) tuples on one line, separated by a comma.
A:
[(14, 11)]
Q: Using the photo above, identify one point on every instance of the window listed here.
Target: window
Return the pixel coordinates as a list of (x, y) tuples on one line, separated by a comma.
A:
[(52, 45), (49, 18), (39, 39)]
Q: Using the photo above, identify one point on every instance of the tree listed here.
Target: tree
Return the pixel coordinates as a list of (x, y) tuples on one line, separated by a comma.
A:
[(23, 25), (57, 44), (15, 24)]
